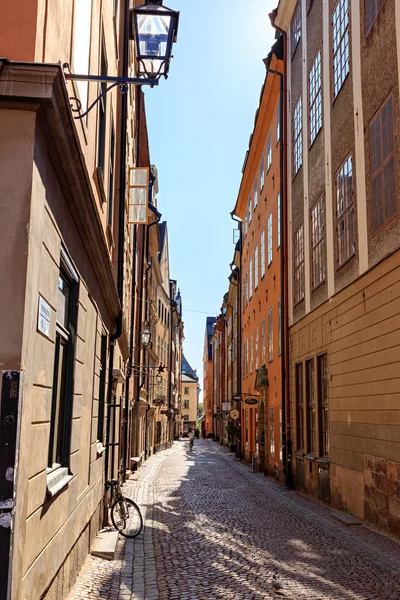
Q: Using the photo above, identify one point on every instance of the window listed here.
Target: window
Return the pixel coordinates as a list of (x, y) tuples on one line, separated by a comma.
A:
[(251, 278), (262, 249), (256, 348), (372, 8), (263, 346), (271, 432), (341, 54), (279, 327), (64, 357), (383, 180), (280, 435), (297, 138), (269, 151), (250, 211), (298, 266), (247, 288), (295, 27), (111, 176), (269, 239), (102, 388), (278, 123), (310, 399), (315, 98), (279, 219), (299, 407), (186, 404), (270, 337), (81, 48), (345, 212), (186, 417), (261, 177), (186, 391), (255, 193), (246, 368), (101, 135), (318, 243), (323, 411), (251, 354), (256, 268)]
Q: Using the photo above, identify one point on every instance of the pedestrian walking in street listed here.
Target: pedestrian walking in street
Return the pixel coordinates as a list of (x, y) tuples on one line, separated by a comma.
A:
[(191, 439)]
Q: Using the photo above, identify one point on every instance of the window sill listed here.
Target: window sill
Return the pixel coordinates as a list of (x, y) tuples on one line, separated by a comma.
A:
[(324, 460), (311, 457), (299, 453), (57, 479)]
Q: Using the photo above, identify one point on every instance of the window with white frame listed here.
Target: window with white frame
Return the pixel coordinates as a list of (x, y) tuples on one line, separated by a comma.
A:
[(318, 243), (279, 327), (315, 90), (255, 191), (298, 265), (346, 241), (256, 268), (270, 336), (263, 343), (262, 250), (341, 51), (246, 366), (256, 348), (297, 138), (295, 27), (269, 239), (269, 151), (261, 176), (279, 219), (251, 354), (251, 278), (271, 432), (250, 211)]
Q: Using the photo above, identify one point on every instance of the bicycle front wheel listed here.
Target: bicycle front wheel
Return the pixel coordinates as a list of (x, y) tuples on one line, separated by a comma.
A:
[(126, 517)]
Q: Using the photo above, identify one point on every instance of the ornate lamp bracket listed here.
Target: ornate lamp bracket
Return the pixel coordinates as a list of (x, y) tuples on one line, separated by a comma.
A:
[(121, 82)]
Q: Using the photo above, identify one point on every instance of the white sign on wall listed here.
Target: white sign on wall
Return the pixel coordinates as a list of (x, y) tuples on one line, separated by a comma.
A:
[(44, 315), (226, 406)]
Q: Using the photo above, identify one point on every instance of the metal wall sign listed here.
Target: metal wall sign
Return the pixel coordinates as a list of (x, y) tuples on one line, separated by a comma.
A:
[(226, 406), (8, 441), (44, 315), (251, 401)]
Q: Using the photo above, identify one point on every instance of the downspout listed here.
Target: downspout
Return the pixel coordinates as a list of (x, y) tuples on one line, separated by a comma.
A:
[(286, 438), (239, 328), (121, 231)]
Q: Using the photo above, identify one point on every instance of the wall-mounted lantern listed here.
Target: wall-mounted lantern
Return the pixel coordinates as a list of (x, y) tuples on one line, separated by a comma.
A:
[(154, 29)]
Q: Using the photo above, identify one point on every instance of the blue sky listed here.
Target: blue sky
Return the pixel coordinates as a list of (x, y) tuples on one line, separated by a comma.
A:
[(199, 122)]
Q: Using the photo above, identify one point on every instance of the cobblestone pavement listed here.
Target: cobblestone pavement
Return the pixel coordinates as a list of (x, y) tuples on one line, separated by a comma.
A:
[(214, 530)]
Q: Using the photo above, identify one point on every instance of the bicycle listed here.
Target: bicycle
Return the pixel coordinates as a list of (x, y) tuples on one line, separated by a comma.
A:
[(125, 513)]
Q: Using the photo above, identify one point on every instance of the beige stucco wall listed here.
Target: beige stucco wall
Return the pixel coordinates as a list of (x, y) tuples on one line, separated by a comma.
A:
[(52, 526)]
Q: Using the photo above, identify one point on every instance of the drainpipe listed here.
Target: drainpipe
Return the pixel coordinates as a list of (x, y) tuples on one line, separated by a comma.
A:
[(121, 232), (286, 439), (239, 328)]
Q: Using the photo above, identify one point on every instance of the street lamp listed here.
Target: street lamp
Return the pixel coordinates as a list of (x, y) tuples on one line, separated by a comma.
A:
[(154, 28), (159, 378), (146, 335)]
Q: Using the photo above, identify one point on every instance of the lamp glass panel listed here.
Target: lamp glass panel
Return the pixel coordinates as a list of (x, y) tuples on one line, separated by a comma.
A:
[(153, 31)]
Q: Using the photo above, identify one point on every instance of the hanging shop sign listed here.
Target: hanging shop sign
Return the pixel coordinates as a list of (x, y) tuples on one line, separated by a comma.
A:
[(251, 401), (234, 414)]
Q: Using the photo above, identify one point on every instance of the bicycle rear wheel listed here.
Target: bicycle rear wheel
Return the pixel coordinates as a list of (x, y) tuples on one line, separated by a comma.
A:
[(126, 517)]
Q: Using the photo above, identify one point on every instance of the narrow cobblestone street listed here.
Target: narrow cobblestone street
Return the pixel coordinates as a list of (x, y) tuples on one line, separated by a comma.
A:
[(214, 530)]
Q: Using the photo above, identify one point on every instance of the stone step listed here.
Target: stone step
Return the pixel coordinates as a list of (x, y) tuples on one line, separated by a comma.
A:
[(105, 544), (345, 519)]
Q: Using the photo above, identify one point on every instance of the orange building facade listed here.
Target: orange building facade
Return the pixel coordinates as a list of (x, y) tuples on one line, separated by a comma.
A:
[(258, 207)]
